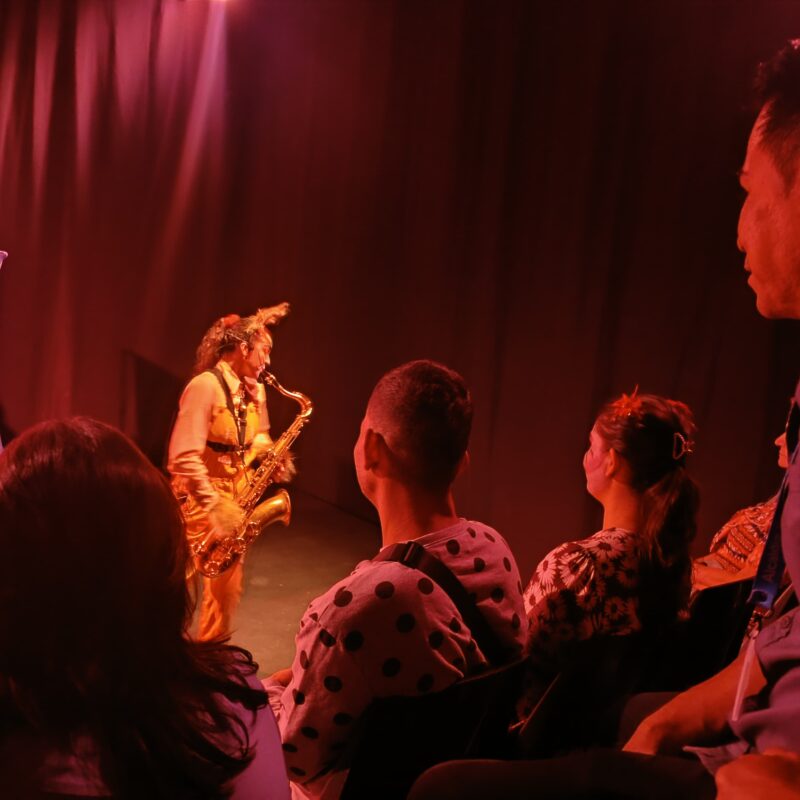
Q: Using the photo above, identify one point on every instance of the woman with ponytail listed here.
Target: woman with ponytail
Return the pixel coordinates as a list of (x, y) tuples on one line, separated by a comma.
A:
[(634, 574)]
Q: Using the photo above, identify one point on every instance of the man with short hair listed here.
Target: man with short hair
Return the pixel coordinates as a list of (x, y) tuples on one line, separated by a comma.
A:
[(769, 236), (388, 629)]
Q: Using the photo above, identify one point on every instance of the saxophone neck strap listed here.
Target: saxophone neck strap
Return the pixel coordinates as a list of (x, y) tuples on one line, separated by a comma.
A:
[(415, 556), (240, 419)]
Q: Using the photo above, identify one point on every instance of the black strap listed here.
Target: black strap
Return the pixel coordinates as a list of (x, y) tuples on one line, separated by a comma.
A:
[(415, 556), (222, 447), (239, 420)]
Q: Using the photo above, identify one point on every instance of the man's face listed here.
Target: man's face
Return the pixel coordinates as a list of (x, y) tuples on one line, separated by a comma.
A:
[(769, 231)]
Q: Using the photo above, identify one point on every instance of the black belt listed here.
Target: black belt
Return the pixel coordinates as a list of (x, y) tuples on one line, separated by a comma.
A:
[(221, 447)]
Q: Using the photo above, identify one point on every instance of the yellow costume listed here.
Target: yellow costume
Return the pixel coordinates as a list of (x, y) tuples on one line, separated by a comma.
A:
[(216, 436)]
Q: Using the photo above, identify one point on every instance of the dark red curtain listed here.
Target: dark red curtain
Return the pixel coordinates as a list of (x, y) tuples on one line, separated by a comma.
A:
[(541, 195)]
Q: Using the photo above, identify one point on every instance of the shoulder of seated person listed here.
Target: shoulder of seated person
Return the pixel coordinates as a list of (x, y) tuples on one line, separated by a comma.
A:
[(372, 589)]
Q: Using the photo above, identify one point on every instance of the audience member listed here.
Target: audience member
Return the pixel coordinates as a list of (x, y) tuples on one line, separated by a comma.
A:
[(388, 629), (102, 692), (633, 575), (769, 235), (737, 546)]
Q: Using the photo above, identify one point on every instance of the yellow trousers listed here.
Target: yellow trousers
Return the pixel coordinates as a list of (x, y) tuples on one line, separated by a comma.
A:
[(221, 596)]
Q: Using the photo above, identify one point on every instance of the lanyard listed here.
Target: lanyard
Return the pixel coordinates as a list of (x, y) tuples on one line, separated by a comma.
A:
[(767, 582)]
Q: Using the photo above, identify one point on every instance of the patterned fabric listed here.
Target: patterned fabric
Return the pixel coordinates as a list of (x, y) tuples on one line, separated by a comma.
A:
[(388, 630), (584, 589), (741, 539)]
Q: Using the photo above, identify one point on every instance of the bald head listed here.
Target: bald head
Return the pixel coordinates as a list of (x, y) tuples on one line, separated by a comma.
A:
[(423, 410)]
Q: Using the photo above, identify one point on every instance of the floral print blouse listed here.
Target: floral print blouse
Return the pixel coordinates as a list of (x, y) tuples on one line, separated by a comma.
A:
[(584, 589)]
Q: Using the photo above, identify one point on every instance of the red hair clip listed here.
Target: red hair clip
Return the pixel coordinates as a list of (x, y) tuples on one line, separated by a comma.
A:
[(627, 405)]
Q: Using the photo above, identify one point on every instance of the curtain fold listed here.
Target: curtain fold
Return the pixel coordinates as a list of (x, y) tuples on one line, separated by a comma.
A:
[(542, 196)]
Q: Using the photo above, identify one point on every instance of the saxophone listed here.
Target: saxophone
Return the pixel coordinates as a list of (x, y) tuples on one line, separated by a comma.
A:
[(212, 556)]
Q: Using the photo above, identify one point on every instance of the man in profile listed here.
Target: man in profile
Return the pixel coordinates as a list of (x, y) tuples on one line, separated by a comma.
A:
[(768, 729), (388, 629)]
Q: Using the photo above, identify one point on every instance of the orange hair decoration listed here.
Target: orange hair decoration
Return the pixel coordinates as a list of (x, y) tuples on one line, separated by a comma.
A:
[(627, 405)]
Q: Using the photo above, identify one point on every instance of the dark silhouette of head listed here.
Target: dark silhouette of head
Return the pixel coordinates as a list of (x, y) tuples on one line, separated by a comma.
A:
[(94, 633)]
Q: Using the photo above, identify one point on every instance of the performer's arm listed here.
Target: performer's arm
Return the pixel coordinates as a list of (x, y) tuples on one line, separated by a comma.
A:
[(188, 440)]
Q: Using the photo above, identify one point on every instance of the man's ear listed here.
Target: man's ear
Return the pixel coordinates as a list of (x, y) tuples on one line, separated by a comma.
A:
[(374, 448)]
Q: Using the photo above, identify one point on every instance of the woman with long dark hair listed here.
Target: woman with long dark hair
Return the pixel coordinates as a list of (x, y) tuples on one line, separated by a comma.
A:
[(102, 691), (634, 574)]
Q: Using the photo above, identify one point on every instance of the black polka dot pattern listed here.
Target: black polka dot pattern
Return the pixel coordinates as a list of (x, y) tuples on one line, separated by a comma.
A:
[(393, 625), (342, 598), (405, 623), (391, 667), (326, 638), (384, 590), (353, 641)]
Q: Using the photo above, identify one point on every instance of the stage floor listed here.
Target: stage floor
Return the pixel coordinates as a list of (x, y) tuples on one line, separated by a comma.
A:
[(286, 568)]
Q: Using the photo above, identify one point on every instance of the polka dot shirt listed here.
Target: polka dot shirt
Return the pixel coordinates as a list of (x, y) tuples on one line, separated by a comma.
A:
[(389, 630)]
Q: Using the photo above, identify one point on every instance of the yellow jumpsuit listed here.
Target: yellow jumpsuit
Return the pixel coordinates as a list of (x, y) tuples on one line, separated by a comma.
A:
[(206, 462)]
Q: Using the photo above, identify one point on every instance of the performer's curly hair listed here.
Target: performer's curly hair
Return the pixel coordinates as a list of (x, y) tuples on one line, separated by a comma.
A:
[(228, 331)]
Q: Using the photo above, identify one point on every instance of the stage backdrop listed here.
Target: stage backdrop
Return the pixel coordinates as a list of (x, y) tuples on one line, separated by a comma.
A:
[(540, 195)]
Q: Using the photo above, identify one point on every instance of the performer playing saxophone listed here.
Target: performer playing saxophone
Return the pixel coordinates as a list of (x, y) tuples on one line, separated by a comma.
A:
[(222, 427)]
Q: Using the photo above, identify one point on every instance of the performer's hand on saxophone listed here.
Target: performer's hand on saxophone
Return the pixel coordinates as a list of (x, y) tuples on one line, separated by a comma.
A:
[(225, 518)]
